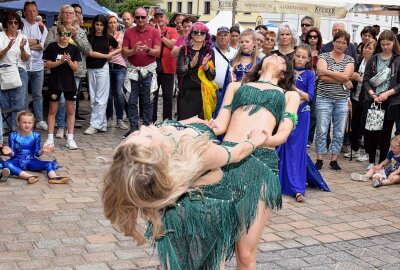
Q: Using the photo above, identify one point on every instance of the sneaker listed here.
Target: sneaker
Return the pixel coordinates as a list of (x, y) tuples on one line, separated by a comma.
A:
[(333, 165), (376, 183), (103, 129), (77, 125), (91, 130), (362, 158), (60, 133), (79, 118), (127, 134), (42, 125), (355, 154), (370, 166), (359, 177), (121, 125), (59, 180), (71, 144), (48, 143), (110, 123), (4, 174), (319, 164)]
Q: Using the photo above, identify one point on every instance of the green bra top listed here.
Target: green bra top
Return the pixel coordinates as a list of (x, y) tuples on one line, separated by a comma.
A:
[(252, 99), (200, 128)]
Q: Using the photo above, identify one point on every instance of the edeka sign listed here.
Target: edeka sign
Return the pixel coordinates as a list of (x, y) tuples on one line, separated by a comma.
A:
[(280, 6)]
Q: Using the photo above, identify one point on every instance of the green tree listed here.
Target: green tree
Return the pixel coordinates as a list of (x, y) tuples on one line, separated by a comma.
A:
[(131, 5)]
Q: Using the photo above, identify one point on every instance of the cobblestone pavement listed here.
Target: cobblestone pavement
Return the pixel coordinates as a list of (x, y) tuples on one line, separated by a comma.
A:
[(45, 226)]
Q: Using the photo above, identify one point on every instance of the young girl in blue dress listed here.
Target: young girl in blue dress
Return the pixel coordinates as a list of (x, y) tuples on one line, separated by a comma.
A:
[(292, 171), (24, 150)]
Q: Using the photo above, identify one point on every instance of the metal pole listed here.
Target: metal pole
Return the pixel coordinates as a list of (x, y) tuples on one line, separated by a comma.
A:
[(233, 11)]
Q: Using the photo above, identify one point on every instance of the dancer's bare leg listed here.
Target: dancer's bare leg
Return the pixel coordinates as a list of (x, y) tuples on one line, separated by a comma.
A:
[(246, 247)]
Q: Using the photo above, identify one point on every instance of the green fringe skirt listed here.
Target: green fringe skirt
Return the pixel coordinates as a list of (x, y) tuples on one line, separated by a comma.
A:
[(201, 230)]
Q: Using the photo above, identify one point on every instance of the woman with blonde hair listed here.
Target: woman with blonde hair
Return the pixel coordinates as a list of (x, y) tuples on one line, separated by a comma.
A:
[(157, 174), (214, 209)]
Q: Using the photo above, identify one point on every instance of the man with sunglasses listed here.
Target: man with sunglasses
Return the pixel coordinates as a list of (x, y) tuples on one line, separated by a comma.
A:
[(141, 45), (165, 74), (35, 66), (306, 23)]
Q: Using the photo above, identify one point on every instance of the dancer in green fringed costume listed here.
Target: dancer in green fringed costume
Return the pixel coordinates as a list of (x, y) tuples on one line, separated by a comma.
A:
[(263, 102), (197, 214), (156, 175)]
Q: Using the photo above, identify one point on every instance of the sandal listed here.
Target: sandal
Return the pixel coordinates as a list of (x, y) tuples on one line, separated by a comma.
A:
[(299, 197), (59, 180), (33, 179), (4, 174)]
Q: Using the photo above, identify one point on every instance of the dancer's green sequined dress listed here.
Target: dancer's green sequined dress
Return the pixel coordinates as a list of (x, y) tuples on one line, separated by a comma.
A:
[(200, 231)]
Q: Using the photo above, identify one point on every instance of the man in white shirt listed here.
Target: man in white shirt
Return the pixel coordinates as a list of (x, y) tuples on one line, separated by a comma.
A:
[(36, 36), (223, 55)]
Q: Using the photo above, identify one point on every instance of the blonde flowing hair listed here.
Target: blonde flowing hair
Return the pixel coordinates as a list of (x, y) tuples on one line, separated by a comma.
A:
[(143, 181)]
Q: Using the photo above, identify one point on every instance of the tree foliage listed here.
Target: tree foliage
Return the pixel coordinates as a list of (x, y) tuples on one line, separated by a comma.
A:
[(122, 5)]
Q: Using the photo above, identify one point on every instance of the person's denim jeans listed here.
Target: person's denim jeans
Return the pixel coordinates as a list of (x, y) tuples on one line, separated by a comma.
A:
[(99, 89), (117, 76), (16, 98), (1, 128), (327, 109), (36, 80), (141, 88)]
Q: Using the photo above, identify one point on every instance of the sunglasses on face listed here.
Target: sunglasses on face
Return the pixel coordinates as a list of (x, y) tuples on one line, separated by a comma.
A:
[(198, 33), (64, 34), (140, 17), (305, 25), (313, 36), (12, 22)]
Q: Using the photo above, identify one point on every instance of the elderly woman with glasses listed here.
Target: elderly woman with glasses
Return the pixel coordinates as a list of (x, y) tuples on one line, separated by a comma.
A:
[(197, 54), (14, 50)]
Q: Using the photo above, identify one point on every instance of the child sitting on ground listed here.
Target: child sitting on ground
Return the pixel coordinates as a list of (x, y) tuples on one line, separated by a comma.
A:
[(24, 148), (387, 172)]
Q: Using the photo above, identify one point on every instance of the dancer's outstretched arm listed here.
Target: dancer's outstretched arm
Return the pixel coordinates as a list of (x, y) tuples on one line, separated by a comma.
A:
[(221, 123)]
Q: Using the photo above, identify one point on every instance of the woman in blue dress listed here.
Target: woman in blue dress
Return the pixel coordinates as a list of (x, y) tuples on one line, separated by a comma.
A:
[(292, 171)]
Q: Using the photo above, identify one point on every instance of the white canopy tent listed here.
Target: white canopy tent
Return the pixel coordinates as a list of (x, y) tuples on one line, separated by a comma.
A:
[(223, 18)]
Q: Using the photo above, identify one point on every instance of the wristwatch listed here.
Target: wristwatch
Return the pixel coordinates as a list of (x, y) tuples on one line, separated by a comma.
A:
[(148, 50)]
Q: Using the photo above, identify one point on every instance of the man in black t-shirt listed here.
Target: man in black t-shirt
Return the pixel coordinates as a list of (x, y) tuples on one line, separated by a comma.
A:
[(62, 59)]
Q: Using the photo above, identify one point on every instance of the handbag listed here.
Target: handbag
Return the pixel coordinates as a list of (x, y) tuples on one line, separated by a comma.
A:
[(375, 117), (9, 77), (380, 77)]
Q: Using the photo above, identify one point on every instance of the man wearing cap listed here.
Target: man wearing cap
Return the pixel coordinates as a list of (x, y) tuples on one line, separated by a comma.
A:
[(223, 57), (35, 66), (166, 65), (141, 45)]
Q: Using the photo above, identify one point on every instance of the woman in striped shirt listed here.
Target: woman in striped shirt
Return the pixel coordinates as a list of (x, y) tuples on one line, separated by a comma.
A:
[(334, 70)]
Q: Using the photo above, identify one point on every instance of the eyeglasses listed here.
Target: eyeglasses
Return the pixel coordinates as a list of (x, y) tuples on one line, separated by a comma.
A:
[(270, 39), (140, 17), (198, 33), (12, 22), (344, 43), (305, 25), (78, 12), (69, 12), (313, 36), (64, 34)]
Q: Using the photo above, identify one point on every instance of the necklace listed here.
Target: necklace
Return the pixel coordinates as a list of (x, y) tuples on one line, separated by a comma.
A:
[(267, 82)]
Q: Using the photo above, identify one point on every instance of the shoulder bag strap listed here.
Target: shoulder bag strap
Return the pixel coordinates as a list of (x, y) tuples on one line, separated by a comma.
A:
[(226, 59)]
